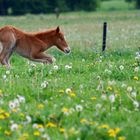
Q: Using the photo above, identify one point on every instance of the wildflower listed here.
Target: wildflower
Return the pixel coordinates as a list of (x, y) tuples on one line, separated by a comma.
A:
[(106, 126), (14, 127), (103, 97), (7, 133), (4, 77), (28, 119), (40, 106), (121, 67), (36, 133), (65, 111), (44, 84), (109, 88), (136, 78), (7, 72), (98, 106), (129, 89), (117, 130), (111, 133), (136, 69), (61, 91), (72, 94), (68, 90), (121, 138), (84, 121), (21, 99), (55, 67), (51, 124), (62, 130), (112, 98), (12, 105), (133, 94), (79, 108), (46, 137), (67, 67), (2, 117), (93, 98), (136, 104)]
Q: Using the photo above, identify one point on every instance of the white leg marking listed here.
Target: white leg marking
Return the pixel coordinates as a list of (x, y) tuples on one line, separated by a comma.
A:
[(1, 47)]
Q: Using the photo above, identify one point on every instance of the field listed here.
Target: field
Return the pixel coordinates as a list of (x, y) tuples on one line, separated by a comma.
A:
[(82, 96)]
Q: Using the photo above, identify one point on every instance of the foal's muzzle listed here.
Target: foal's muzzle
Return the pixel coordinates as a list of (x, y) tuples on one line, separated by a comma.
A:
[(67, 50)]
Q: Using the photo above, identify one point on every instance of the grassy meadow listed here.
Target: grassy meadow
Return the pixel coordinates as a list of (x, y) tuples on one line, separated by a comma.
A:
[(87, 95)]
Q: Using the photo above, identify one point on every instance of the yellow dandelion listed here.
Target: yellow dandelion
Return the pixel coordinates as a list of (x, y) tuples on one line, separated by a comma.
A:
[(36, 133), (39, 126), (2, 117), (40, 106), (65, 110), (106, 126), (72, 94), (62, 130), (93, 98), (109, 88), (117, 130), (1, 111), (6, 114), (61, 91), (7, 133), (84, 121), (112, 133), (121, 138), (51, 124), (136, 78)]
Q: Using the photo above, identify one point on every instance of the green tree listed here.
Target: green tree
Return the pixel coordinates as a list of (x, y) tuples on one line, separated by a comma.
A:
[(4, 7)]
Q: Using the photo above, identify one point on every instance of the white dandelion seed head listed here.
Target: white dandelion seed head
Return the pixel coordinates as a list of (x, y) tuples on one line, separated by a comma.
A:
[(133, 94), (21, 99), (98, 106), (79, 108), (121, 67), (112, 98), (129, 89), (28, 119), (136, 69), (14, 127), (12, 105), (4, 77), (68, 90), (7, 72), (55, 67), (136, 104), (103, 97), (67, 67)]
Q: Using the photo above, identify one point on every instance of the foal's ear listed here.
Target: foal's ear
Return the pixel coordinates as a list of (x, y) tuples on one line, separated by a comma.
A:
[(57, 29)]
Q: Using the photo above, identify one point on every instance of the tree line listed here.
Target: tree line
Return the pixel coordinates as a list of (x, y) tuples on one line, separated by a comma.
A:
[(19, 7)]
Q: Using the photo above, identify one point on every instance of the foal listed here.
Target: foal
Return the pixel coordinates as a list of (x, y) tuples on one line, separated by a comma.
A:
[(30, 45)]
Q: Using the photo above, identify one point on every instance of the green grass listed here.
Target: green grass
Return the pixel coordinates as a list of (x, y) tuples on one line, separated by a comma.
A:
[(112, 5), (76, 104)]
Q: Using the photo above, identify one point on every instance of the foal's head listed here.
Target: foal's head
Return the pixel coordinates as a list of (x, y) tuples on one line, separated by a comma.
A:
[(60, 41)]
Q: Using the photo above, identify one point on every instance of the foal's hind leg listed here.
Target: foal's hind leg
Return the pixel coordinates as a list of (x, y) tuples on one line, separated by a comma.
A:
[(8, 48)]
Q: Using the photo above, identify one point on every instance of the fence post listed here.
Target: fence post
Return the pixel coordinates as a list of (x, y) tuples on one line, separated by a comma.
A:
[(104, 36)]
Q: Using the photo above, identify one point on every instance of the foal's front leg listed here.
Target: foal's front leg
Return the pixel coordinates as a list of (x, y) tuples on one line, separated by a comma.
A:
[(41, 57)]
